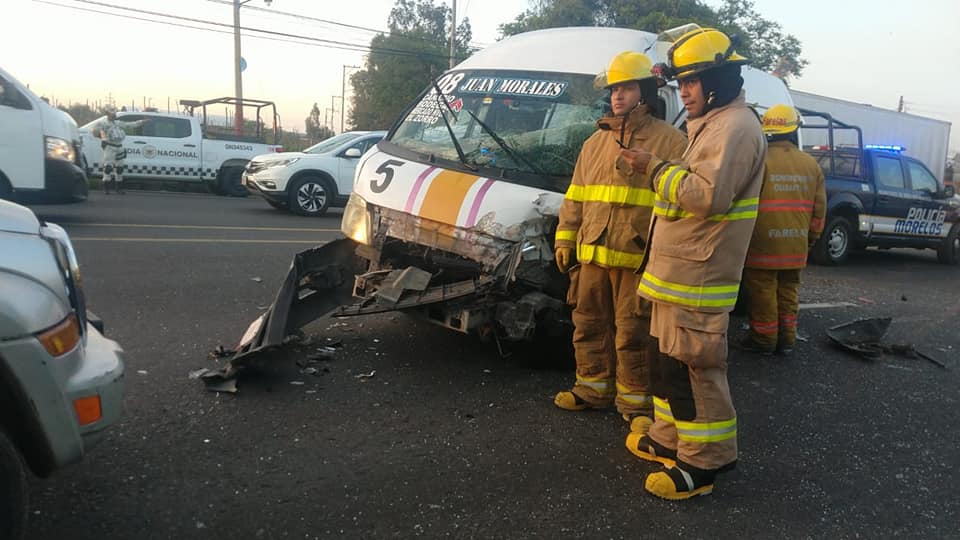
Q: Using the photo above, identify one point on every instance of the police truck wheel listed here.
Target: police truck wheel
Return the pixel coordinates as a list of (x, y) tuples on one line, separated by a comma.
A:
[(311, 196), (834, 244), (13, 491), (949, 250)]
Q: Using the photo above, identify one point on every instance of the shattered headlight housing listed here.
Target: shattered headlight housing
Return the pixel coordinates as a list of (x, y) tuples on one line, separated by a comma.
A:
[(356, 220)]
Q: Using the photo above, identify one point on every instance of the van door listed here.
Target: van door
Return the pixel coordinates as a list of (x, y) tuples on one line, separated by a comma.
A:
[(162, 147), (22, 147), (348, 165)]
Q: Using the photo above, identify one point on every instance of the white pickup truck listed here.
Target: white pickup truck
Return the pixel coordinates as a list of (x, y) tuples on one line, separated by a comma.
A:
[(189, 146)]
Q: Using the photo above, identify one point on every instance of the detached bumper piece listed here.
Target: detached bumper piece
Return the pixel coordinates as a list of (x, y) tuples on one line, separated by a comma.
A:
[(318, 282)]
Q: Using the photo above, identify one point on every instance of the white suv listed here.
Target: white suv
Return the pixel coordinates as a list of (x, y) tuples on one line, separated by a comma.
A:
[(311, 181), (60, 379)]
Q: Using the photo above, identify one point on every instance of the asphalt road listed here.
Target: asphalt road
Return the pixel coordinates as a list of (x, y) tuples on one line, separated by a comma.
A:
[(447, 439)]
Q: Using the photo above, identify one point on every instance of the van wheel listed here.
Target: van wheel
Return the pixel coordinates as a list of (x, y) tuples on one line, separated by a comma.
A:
[(834, 244), (949, 250), (311, 196), (13, 491), (80, 191)]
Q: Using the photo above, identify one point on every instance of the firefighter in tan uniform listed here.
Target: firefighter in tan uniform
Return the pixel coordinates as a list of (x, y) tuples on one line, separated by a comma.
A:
[(704, 212), (603, 225), (792, 206)]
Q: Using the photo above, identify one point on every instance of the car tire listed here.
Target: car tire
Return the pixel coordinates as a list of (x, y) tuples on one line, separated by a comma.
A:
[(213, 186), (949, 250), (311, 196), (230, 181), (13, 491), (835, 243)]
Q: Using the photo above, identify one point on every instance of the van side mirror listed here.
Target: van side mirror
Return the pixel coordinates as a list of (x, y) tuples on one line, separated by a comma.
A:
[(352, 153)]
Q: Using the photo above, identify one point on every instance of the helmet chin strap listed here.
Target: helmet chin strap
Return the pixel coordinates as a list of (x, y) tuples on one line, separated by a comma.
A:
[(626, 114)]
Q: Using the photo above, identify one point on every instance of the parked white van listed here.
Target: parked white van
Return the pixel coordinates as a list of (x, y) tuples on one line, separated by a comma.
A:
[(39, 146)]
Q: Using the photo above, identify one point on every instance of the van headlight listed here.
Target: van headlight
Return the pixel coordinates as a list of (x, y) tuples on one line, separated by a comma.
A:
[(356, 220), (59, 149)]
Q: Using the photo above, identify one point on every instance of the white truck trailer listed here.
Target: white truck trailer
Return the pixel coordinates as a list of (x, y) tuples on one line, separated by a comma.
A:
[(921, 138)]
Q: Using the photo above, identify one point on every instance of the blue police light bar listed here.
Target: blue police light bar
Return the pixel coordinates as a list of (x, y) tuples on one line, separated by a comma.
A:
[(887, 147)]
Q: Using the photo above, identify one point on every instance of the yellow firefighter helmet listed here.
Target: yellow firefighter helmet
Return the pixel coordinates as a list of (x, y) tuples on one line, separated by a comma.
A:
[(628, 66), (780, 120), (699, 50)]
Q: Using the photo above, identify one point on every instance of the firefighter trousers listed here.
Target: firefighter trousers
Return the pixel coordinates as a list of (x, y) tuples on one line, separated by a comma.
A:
[(611, 339), (693, 410), (773, 299)]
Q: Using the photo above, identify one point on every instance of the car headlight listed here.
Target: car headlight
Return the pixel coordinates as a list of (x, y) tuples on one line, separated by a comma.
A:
[(355, 224), (280, 162), (59, 149), (66, 257)]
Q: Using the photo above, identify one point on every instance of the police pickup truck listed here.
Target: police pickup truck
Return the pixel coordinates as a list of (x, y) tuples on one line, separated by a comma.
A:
[(878, 196), (192, 146)]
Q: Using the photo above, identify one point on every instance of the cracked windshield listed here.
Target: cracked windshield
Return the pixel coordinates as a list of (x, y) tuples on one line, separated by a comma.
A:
[(541, 120)]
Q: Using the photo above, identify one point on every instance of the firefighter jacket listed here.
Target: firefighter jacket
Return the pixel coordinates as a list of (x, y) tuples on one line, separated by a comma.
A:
[(792, 206), (606, 211), (704, 211)]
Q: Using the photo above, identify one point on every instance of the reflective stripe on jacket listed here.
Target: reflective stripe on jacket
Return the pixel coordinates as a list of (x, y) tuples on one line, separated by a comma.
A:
[(704, 210), (792, 206), (605, 213)]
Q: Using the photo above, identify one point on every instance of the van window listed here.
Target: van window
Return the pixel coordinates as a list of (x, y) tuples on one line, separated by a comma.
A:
[(889, 173), (11, 97), (921, 179), (543, 117)]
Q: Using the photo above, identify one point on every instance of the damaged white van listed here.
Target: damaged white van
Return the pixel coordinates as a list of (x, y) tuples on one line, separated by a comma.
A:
[(453, 213)]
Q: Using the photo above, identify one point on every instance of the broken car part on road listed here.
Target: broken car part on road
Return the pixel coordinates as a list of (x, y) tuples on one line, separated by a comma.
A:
[(863, 337)]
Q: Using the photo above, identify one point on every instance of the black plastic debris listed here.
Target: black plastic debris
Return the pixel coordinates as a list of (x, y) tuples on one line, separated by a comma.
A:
[(864, 337)]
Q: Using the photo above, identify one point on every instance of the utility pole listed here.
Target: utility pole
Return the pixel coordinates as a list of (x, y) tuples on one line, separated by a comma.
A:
[(237, 59), (900, 105), (343, 95), (333, 111), (237, 75), (453, 32)]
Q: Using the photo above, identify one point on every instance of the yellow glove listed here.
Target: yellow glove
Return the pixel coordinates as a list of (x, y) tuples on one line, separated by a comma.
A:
[(564, 256)]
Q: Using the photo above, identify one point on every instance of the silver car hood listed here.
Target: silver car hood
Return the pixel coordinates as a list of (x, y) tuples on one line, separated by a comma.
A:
[(17, 219)]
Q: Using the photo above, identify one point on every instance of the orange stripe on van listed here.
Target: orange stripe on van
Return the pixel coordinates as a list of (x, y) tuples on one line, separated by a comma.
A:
[(445, 196)]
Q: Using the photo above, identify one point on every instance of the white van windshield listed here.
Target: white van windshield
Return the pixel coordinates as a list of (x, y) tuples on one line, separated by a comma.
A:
[(542, 119)]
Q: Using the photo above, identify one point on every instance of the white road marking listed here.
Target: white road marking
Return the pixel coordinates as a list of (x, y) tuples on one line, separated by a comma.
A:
[(827, 305), (191, 240), (206, 227)]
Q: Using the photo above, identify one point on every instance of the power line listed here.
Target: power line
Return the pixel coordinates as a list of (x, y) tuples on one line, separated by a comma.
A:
[(325, 21), (359, 47)]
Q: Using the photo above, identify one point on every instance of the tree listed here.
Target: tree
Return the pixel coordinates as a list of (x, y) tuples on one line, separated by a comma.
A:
[(316, 132), (763, 41), (403, 62), (82, 113)]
